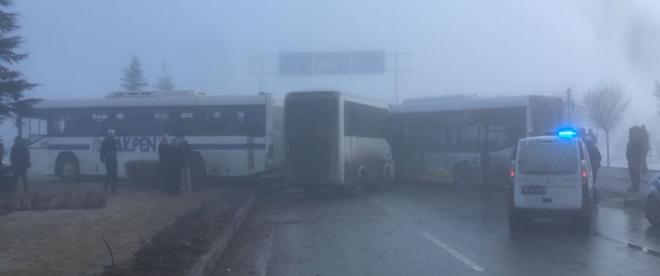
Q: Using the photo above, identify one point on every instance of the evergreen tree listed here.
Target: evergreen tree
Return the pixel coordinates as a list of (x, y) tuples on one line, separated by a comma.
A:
[(165, 83), (13, 86), (133, 79)]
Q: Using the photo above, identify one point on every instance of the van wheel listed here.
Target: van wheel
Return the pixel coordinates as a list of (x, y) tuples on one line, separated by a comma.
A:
[(585, 224), (652, 210), (586, 215), (67, 168), (517, 221)]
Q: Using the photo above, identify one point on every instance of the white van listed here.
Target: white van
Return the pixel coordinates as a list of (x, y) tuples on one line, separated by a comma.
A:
[(551, 178)]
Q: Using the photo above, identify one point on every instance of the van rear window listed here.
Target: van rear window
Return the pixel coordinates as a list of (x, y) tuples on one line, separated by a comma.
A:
[(548, 158)]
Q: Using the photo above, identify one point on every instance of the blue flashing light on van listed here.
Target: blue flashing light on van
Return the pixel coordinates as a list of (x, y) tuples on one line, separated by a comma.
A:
[(567, 133)]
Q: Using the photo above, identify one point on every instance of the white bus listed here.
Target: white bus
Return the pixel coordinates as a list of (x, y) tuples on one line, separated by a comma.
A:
[(229, 135), (446, 139), (335, 140)]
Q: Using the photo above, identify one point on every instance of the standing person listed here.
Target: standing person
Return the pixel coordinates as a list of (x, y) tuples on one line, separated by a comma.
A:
[(178, 163), (20, 161), (646, 147), (109, 158), (165, 162), (183, 152), (634, 157), (594, 156), (593, 136), (486, 164), (2, 151)]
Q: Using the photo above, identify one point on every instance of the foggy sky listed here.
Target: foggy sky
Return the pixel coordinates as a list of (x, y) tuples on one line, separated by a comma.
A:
[(78, 47)]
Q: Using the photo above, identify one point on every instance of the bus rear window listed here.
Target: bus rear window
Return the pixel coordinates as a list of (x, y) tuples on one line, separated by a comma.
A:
[(311, 114), (548, 158)]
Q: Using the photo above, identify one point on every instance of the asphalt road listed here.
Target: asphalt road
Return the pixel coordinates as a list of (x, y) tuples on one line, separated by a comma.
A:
[(429, 230)]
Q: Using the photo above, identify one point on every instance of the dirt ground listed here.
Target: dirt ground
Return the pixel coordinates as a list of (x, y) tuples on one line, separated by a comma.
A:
[(70, 242)]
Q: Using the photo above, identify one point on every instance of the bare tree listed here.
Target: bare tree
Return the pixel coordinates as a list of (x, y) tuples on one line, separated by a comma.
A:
[(605, 106)]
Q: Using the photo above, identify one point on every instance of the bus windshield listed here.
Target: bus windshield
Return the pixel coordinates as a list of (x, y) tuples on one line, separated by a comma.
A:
[(548, 158)]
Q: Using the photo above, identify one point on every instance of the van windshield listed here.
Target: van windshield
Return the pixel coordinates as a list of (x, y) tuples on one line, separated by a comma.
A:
[(548, 158)]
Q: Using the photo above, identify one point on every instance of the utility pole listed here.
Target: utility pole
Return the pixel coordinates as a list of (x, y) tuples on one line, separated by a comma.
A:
[(396, 70), (569, 105), (396, 78), (261, 73), (260, 60)]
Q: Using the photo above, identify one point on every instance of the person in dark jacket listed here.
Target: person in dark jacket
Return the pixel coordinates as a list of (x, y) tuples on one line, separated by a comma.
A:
[(109, 158), (634, 157), (594, 156), (20, 161), (646, 147), (2, 151), (165, 162), (180, 154)]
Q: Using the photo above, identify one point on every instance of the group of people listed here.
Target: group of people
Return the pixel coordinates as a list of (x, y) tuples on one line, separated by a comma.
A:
[(636, 152), (20, 162), (173, 157)]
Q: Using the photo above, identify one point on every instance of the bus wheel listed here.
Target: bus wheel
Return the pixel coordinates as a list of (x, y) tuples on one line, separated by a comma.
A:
[(67, 168), (462, 174), (197, 169)]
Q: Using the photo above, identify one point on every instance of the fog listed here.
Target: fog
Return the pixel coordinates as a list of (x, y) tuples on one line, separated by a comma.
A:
[(78, 47)]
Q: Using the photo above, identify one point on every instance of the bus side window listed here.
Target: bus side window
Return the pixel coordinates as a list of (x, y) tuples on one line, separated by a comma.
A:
[(255, 121), (452, 135), (469, 137), (350, 120), (61, 125), (443, 138), (240, 117), (497, 137)]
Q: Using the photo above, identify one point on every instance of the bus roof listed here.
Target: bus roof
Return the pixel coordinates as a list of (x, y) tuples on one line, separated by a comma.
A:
[(463, 104), (155, 101), (345, 95)]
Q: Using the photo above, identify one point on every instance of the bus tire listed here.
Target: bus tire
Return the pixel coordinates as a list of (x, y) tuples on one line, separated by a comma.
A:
[(67, 167), (197, 169), (463, 174)]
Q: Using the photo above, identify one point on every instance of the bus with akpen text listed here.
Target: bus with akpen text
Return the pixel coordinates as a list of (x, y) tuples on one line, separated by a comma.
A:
[(229, 135)]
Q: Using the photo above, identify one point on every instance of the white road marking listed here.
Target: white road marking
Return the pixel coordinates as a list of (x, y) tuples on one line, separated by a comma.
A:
[(261, 266), (383, 205), (453, 252)]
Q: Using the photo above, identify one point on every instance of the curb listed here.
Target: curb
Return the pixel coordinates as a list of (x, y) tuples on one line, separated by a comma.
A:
[(632, 245), (624, 199), (204, 264)]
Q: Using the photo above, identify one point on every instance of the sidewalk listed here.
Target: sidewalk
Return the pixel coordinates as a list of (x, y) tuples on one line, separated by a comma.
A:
[(613, 184)]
